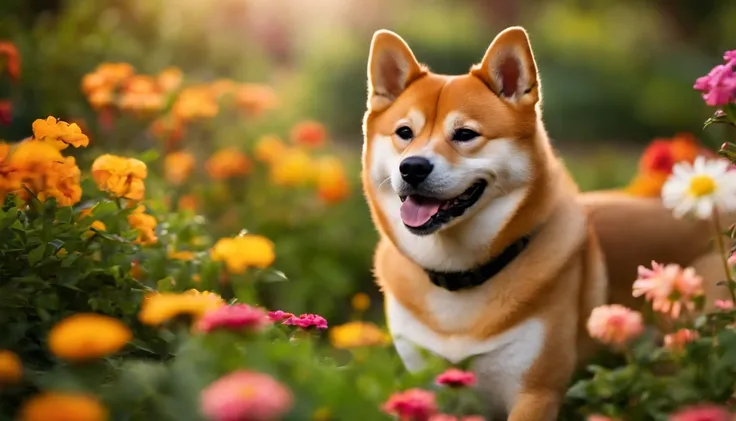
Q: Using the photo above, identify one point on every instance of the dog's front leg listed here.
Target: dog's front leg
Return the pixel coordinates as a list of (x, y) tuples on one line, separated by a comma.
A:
[(536, 405), (410, 355)]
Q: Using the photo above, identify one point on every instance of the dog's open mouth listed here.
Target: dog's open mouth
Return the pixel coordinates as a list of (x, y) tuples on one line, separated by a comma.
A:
[(424, 215)]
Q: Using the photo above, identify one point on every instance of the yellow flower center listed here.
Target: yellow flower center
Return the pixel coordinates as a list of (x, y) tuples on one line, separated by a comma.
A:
[(702, 185)]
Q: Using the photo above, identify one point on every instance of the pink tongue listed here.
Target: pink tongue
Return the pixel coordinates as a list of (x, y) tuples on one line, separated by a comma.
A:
[(416, 214)]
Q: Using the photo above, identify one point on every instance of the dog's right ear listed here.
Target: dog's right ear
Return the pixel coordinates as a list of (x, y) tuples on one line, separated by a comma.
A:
[(391, 68)]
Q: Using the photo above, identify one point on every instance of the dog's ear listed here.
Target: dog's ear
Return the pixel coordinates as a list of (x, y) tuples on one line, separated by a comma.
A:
[(508, 67), (391, 68)]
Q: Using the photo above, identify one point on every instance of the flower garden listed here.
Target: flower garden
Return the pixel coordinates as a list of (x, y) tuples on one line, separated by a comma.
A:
[(150, 273)]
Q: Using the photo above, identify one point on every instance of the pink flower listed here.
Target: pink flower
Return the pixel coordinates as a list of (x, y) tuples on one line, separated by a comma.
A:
[(705, 412), (668, 287), (234, 317), (245, 396), (456, 378), (615, 324), (719, 85), (411, 405), (447, 417), (732, 259), (676, 341), (278, 315), (724, 304), (305, 321)]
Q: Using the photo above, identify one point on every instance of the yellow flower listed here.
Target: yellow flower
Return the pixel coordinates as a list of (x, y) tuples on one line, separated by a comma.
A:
[(358, 334), (145, 225), (227, 163), (161, 307), (120, 176), (60, 406), (87, 335), (269, 148), (62, 182), (181, 255), (332, 182), (59, 133), (169, 79), (98, 225), (11, 368), (244, 251), (30, 155), (361, 301), (255, 99), (178, 166), (294, 168)]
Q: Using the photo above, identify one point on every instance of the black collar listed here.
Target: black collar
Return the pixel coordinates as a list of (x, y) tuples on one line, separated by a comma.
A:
[(454, 281)]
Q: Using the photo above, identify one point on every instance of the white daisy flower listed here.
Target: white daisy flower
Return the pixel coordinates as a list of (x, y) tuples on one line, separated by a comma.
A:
[(701, 188)]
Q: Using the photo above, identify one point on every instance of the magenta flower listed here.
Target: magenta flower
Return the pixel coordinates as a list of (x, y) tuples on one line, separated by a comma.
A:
[(456, 378), (719, 85), (245, 396), (411, 405), (702, 413), (305, 321), (278, 315), (234, 317)]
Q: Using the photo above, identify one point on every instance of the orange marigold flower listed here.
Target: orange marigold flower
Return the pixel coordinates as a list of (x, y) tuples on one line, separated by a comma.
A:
[(59, 133), (181, 255), (615, 324), (62, 406), (294, 168), (269, 148), (113, 74), (332, 182), (243, 252), (145, 224), (4, 151), (178, 166), (158, 308), (61, 182), (255, 99), (228, 163), (86, 336), (11, 368), (309, 133), (6, 112), (195, 102), (101, 98), (169, 79), (120, 176), (168, 129), (12, 59), (141, 93), (188, 202), (358, 334), (222, 87)]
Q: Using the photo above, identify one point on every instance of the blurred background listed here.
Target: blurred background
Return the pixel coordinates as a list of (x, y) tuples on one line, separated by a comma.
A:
[(616, 75)]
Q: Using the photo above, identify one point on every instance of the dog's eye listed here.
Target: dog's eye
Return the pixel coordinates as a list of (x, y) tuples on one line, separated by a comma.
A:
[(405, 133), (464, 135)]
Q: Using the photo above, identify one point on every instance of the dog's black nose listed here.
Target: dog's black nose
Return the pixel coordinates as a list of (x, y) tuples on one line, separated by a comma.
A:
[(415, 169)]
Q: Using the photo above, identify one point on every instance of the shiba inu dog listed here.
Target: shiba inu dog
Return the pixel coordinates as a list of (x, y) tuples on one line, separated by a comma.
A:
[(485, 251), (486, 246)]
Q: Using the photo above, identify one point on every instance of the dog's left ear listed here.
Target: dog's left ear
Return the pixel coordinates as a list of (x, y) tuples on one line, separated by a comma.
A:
[(508, 68), (391, 68)]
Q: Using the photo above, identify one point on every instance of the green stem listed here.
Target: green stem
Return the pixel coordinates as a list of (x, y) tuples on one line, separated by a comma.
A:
[(724, 254)]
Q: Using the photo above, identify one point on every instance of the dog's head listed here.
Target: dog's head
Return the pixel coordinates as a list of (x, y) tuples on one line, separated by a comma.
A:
[(447, 157)]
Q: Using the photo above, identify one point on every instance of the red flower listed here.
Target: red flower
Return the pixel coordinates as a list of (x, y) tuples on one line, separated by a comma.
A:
[(12, 59), (309, 133), (6, 112), (456, 378), (234, 317), (278, 315), (305, 321), (411, 405), (705, 412)]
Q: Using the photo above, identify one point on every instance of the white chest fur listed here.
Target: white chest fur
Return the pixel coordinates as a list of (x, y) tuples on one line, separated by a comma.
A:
[(500, 362)]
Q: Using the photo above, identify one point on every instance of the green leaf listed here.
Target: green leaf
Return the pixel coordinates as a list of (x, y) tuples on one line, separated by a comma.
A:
[(270, 276), (35, 255)]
